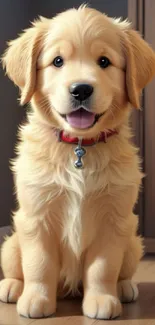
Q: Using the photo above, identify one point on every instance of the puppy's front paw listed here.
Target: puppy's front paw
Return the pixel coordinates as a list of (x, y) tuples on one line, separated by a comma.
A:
[(127, 291), (101, 306), (10, 290), (35, 302)]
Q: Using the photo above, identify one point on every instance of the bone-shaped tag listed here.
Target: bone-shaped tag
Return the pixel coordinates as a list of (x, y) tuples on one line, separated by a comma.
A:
[(80, 152)]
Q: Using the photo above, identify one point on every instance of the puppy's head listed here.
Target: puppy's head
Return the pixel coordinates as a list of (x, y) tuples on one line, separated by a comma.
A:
[(81, 69)]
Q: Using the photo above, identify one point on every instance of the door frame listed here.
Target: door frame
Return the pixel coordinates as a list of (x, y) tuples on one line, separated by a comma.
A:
[(136, 16)]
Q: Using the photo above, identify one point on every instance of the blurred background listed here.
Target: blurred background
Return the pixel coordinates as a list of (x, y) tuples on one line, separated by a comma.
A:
[(16, 15)]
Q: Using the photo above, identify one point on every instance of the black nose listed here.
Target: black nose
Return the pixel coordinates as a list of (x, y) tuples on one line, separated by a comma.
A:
[(80, 91)]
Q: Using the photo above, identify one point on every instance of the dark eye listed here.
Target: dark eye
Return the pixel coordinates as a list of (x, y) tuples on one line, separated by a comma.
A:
[(58, 62), (103, 62)]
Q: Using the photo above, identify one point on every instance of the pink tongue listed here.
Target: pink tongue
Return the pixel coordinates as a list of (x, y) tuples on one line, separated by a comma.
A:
[(80, 119)]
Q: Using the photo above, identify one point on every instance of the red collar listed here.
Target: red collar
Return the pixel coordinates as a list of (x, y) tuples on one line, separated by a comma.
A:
[(86, 142)]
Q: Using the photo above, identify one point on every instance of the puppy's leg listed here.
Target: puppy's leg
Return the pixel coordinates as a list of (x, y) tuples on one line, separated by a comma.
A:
[(40, 262), (12, 286), (101, 270), (127, 289)]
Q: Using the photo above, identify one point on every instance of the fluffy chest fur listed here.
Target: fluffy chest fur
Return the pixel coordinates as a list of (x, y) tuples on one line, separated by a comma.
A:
[(75, 203)]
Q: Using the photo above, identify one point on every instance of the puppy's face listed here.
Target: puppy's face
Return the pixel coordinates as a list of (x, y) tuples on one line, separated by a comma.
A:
[(81, 70)]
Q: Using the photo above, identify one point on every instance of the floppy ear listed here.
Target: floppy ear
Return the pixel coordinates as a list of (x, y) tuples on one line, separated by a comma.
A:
[(140, 65), (20, 61)]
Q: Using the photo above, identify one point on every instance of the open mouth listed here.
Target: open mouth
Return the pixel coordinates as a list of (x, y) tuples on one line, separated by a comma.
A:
[(81, 119)]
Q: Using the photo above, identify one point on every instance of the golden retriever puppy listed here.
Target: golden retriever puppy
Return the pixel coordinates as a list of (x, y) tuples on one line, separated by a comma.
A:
[(77, 173)]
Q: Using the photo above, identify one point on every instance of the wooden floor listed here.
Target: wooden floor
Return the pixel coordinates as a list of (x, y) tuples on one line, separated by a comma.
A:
[(69, 311)]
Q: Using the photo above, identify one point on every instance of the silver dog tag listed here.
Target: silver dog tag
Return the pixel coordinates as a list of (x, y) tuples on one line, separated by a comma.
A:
[(79, 152)]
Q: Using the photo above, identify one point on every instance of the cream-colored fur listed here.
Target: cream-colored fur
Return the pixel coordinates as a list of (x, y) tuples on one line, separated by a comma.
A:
[(72, 225)]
